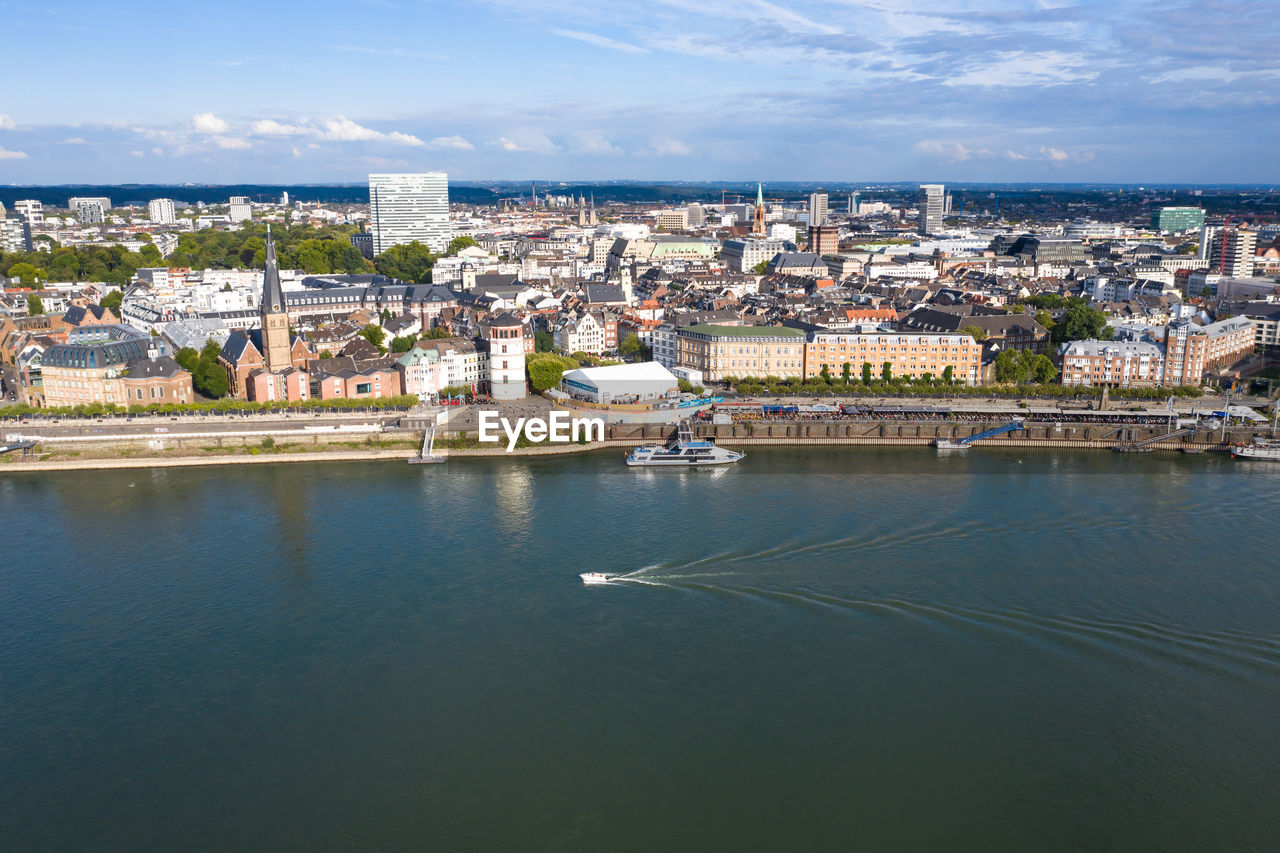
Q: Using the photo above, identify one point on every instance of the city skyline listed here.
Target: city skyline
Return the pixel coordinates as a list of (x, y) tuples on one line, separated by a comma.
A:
[(985, 91)]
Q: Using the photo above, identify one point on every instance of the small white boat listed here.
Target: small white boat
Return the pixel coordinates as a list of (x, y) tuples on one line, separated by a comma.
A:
[(948, 444), (591, 578)]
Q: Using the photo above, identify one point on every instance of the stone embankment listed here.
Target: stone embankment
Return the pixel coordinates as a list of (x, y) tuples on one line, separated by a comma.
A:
[(263, 446)]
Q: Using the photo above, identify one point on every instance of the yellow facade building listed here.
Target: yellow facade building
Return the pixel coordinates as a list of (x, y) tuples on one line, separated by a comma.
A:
[(911, 355)]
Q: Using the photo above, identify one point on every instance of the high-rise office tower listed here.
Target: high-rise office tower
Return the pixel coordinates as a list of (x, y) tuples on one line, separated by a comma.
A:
[(161, 211), (404, 207), (90, 211), (931, 208), (73, 203), (1237, 260), (31, 210), (817, 209), (241, 210)]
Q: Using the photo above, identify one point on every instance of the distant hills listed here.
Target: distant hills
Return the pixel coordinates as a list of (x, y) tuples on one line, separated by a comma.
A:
[(603, 191)]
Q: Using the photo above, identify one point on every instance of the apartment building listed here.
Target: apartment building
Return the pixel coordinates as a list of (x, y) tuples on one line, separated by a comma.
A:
[(908, 355), (720, 351)]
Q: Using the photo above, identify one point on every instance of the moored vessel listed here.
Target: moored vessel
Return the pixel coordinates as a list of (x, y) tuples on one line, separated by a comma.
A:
[(1259, 448), (684, 451)]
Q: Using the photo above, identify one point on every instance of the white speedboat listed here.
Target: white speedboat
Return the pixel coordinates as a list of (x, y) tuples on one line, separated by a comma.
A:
[(591, 578), (683, 452)]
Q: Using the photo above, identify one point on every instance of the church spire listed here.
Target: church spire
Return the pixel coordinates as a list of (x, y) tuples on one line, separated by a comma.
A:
[(272, 294), (759, 194)]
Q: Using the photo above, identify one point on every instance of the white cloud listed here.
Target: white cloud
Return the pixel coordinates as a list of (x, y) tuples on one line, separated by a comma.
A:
[(73, 140), (1021, 68), (956, 152), (6, 154), (159, 152), (208, 123), (342, 129), (1058, 156), (136, 153), (270, 127), (455, 142), (526, 140), (231, 143), (296, 152), (403, 138), (670, 148), (7, 122), (595, 143), (601, 41)]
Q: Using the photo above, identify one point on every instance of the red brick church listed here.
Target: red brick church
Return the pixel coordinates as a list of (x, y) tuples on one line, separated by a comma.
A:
[(268, 363)]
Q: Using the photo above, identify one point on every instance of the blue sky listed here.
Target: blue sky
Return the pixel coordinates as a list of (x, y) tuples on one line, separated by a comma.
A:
[(837, 90)]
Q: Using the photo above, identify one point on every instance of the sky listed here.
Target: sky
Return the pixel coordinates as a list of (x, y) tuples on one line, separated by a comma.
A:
[(817, 90)]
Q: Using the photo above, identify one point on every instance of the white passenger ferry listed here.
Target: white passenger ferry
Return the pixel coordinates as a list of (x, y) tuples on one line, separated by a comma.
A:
[(683, 452)]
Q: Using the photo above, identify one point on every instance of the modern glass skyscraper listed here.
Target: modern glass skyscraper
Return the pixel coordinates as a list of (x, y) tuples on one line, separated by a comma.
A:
[(931, 208), (404, 207)]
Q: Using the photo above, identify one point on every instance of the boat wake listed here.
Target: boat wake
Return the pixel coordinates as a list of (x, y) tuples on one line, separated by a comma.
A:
[(1244, 655)]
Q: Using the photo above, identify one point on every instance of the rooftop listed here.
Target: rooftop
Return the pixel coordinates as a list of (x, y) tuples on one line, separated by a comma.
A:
[(744, 331)]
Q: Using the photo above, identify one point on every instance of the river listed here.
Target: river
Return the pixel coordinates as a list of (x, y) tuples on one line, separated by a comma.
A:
[(816, 649)]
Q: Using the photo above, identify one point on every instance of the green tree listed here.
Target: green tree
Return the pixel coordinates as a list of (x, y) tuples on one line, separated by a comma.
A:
[(324, 353), (1006, 366), (631, 346), (34, 305), (112, 301), (1044, 318), (866, 373), (886, 371), (949, 375), (543, 342), (437, 333), (846, 370), (1043, 369), (544, 374), (374, 335), (403, 343), (407, 261), (975, 332), (457, 244), (209, 377), (761, 268), (1081, 322), (545, 369), (1046, 300), (27, 274), (825, 373), (188, 359)]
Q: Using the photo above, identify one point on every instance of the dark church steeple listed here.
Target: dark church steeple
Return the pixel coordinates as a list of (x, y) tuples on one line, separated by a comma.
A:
[(272, 295), (275, 318)]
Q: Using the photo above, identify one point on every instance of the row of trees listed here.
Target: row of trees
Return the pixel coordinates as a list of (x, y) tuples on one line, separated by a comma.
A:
[(316, 251), (825, 385), (413, 261), (112, 264), (403, 401)]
